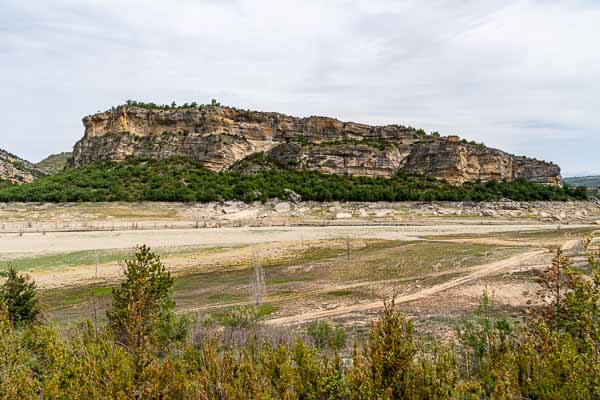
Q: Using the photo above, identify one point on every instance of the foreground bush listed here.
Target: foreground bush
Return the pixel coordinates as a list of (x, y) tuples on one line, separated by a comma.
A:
[(547, 358), (184, 180), (18, 295)]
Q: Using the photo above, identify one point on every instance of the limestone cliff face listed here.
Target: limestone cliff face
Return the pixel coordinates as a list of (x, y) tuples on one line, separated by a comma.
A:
[(17, 170), (221, 136)]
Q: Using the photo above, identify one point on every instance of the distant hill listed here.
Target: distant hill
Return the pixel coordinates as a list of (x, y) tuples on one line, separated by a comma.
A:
[(16, 170), (585, 181), (54, 163)]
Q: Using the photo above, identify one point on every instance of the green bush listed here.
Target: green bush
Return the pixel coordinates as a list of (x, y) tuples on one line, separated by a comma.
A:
[(180, 179), (18, 294), (544, 358), (325, 336)]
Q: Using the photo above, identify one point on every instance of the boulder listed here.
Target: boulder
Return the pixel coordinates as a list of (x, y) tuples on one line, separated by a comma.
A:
[(292, 196), (489, 213), (343, 215), (283, 207), (383, 213)]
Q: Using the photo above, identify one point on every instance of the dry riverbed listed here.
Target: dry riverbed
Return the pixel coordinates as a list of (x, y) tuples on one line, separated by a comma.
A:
[(437, 261)]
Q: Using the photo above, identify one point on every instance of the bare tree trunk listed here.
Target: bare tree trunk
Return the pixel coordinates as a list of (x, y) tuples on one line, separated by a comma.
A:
[(259, 289)]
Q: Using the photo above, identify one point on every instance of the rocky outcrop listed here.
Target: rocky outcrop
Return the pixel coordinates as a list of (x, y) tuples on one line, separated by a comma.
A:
[(342, 159), (16, 170), (219, 137), (460, 163)]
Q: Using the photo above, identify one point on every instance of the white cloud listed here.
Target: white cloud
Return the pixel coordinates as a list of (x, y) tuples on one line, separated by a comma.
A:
[(519, 75)]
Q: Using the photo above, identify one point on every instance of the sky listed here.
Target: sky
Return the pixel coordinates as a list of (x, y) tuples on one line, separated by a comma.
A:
[(522, 76)]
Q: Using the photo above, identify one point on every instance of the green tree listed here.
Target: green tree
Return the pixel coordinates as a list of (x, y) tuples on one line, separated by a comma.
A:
[(141, 306), (324, 335), (19, 295), (143, 299)]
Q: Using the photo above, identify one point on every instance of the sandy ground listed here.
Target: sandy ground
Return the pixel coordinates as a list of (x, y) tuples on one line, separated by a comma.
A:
[(61, 242), (463, 286), (533, 257)]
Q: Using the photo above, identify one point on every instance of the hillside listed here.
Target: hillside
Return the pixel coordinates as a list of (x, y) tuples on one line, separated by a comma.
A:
[(585, 181), (16, 170), (186, 180), (219, 137), (55, 162)]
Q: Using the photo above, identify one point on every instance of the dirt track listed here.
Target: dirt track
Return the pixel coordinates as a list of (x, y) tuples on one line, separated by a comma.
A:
[(535, 257)]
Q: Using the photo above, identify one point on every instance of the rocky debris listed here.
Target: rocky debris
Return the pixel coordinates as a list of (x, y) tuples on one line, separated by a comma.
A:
[(17, 170), (220, 137), (343, 215), (282, 207), (292, 196), (489, 213), (383, 213), (276, 213)]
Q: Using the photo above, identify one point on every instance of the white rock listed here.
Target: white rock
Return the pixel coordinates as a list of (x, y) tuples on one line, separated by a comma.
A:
[(446, 211), (242, 215), (383, 213), (343, 215), (282, 207)]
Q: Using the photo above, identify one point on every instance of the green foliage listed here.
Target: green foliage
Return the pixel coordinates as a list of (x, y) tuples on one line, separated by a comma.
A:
[(473, 143), (535, 360), (18, 294), (380, 144), (143, 302), (246, 317), (185, 180), (325, 336), (478, 334), (241, 318), (54, 163)]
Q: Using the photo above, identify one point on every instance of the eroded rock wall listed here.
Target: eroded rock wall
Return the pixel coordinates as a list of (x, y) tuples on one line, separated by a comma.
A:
[(221, 136), (17, 170)]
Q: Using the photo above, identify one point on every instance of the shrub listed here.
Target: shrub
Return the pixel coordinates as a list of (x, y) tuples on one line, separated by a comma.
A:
[(181, 179), (535, 360), (325, 336), (19, 296)]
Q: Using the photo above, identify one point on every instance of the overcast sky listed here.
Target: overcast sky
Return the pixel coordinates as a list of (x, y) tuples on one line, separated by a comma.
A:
[(523, 76)]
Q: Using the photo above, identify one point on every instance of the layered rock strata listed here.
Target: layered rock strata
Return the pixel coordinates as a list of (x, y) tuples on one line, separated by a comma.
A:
[(221, 136), (17, 170)]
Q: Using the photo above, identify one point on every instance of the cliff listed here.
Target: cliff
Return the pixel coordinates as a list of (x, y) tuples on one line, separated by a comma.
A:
[(221, 136), (17, 170)]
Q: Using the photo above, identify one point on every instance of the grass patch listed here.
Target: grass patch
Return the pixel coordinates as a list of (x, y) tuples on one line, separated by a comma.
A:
[(223, 297), (57, 299), (86, 257), (340, 293), (90, 257), (541, 234)]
